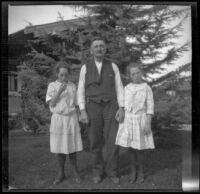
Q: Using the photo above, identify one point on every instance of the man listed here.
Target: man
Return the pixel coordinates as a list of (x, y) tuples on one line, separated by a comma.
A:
[(101, 102)]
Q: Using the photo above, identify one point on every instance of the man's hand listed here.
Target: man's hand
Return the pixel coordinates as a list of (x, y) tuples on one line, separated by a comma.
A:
[(84, 117), (120, 115)]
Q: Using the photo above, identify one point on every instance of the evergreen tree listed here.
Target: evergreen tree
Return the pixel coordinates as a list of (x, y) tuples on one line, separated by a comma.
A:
[(147, 26)]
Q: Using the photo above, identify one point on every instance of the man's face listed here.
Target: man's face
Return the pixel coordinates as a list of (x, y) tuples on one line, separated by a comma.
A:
[(98, 48)]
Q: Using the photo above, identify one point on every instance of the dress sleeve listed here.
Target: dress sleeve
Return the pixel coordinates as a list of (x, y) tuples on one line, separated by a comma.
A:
[(50, 92), (150, 101), (127, 99)]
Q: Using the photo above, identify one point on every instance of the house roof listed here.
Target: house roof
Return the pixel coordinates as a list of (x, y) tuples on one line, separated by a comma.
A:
[(53, 28), (17, 40), (16, 43)]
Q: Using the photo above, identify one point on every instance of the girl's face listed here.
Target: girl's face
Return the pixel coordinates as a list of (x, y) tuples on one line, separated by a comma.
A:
[(62, 75), (135, 74)]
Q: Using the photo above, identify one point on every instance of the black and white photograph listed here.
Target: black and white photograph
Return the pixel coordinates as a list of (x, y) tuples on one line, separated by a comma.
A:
[(99, 97)]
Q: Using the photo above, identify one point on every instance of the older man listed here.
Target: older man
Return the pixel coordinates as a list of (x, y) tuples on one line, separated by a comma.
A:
[(101, 102)]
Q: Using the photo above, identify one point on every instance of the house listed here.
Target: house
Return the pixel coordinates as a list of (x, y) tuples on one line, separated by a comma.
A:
[(17, 51), (184, 89), (181, 89)]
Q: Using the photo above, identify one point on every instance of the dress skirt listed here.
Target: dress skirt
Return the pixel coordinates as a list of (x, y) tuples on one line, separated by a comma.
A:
[(65, 136), (130, 133)]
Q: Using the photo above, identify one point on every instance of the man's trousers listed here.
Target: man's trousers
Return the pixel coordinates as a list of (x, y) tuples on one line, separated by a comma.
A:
[(102, 131)]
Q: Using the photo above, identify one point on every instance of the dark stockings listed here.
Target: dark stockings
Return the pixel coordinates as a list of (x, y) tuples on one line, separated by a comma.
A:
[(136, 158), (140, 174), (61, 164), (73, 162), (61, 158)]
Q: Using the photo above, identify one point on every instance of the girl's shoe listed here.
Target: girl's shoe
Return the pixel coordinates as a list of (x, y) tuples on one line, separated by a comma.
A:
[(115, 180), (132, 177), (140, 177), (140, 180), (59, 179)]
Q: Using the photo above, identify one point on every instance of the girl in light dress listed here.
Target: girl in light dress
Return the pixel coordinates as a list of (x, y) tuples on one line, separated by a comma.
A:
[(65, 137), (135, 132)]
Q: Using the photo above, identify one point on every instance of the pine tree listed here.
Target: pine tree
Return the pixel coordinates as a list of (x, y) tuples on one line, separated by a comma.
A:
[(147, 26)]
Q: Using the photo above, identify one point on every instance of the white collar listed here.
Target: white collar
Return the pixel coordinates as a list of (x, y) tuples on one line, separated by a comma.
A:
[(97, 62)]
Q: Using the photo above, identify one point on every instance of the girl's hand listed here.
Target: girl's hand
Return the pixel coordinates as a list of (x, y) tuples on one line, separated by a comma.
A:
[(62, 87), (147, 129), (56, 97)]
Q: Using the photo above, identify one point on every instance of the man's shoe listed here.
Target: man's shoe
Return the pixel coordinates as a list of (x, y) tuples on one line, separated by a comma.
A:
[(97, 179), (78, 178), (115, 180)]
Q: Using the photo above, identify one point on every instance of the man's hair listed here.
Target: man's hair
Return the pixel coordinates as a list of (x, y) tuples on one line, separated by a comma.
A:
[(98, 38), (62, 64)]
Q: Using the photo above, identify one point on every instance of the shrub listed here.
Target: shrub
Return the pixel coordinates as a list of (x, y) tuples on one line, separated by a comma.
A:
[(170, 113), (15, 121)]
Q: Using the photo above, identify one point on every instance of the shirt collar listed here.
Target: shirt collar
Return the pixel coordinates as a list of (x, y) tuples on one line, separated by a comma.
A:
[(98, 63)]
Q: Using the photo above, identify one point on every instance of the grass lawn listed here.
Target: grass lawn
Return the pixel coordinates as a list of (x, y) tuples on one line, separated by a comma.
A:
[(32, 166)]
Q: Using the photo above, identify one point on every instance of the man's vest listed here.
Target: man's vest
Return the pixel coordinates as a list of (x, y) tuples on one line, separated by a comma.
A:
[(100, 87)]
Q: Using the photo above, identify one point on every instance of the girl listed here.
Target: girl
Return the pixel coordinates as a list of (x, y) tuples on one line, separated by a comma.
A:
[(135, 132), (65, 137)]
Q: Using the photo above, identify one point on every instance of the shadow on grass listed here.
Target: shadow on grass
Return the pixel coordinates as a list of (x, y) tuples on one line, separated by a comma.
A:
[(166, 155), (31, 165)]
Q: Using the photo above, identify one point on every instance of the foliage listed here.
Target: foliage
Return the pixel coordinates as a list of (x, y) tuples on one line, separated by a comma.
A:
[(15, 122), (172, 77), (148, 26), (170, 111), (35, 75)]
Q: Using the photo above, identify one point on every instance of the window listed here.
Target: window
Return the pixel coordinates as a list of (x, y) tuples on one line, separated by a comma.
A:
[(12, 82), (171, 92)]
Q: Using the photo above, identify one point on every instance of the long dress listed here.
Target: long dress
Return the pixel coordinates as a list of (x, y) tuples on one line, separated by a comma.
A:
[(138, 103), (65, 134)]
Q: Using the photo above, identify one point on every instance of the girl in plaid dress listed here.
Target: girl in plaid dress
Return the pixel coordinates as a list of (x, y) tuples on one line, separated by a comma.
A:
[(135, 132), (65, 137)]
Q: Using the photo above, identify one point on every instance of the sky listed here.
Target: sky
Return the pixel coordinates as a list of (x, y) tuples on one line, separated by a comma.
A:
[(20, 16), (37, 14)]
